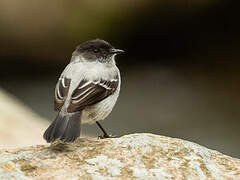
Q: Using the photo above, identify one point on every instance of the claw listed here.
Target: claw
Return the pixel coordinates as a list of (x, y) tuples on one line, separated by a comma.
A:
[(105, 136)]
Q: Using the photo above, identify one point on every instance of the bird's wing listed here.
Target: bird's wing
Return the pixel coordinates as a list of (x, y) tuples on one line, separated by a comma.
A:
[(61, 92), (91, 92)]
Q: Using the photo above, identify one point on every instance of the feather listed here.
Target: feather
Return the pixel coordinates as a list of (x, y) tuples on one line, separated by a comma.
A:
[(89, 93)]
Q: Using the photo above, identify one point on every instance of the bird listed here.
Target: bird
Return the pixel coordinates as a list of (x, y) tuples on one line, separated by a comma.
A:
[(86, 91)]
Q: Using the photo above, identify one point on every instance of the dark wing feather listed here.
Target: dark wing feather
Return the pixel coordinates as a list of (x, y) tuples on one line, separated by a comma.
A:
[(61, 92), (89, 93)]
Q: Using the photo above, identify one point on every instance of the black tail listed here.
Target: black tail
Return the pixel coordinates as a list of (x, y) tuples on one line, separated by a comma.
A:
[(66, 128)]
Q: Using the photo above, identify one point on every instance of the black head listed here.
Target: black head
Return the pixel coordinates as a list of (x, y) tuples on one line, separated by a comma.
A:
[(97, 50)]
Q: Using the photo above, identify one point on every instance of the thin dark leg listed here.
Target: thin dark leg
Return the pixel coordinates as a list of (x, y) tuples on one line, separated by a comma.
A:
[(105, 134)]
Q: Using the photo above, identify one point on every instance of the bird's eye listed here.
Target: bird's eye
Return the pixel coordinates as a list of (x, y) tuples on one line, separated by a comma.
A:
[(95, 50)]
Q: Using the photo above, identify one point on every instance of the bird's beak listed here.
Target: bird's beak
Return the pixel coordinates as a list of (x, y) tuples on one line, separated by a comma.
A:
[(116, 51)]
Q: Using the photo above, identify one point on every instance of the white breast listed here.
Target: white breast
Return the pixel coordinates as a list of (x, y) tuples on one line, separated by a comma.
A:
[(102, 109), (93, 71)]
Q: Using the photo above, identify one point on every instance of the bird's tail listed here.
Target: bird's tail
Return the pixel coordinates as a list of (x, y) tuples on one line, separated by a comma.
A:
[(64, 127)]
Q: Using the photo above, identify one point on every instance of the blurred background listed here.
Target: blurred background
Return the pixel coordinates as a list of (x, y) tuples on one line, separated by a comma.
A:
[(180, 72)]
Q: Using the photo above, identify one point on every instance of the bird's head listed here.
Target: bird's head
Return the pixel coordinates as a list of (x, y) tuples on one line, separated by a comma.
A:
[(96, 50)]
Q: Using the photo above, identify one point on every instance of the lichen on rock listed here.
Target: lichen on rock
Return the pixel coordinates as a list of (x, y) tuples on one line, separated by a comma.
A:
[(134, 156)]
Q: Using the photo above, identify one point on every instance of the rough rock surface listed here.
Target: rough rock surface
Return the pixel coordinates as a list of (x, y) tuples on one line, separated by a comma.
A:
[(19, 126), (140, 156)]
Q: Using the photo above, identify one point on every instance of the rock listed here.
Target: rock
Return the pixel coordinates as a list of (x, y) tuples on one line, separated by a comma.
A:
[(140, 156), (19, 126)]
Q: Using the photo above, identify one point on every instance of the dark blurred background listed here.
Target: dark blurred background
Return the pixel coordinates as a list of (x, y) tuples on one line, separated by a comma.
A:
[(180, 72)]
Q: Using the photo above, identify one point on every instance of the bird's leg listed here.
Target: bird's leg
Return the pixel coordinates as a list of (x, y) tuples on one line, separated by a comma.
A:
[(105, 134)]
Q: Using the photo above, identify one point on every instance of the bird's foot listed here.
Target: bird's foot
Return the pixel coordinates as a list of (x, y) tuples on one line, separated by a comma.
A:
[(107, 136)]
